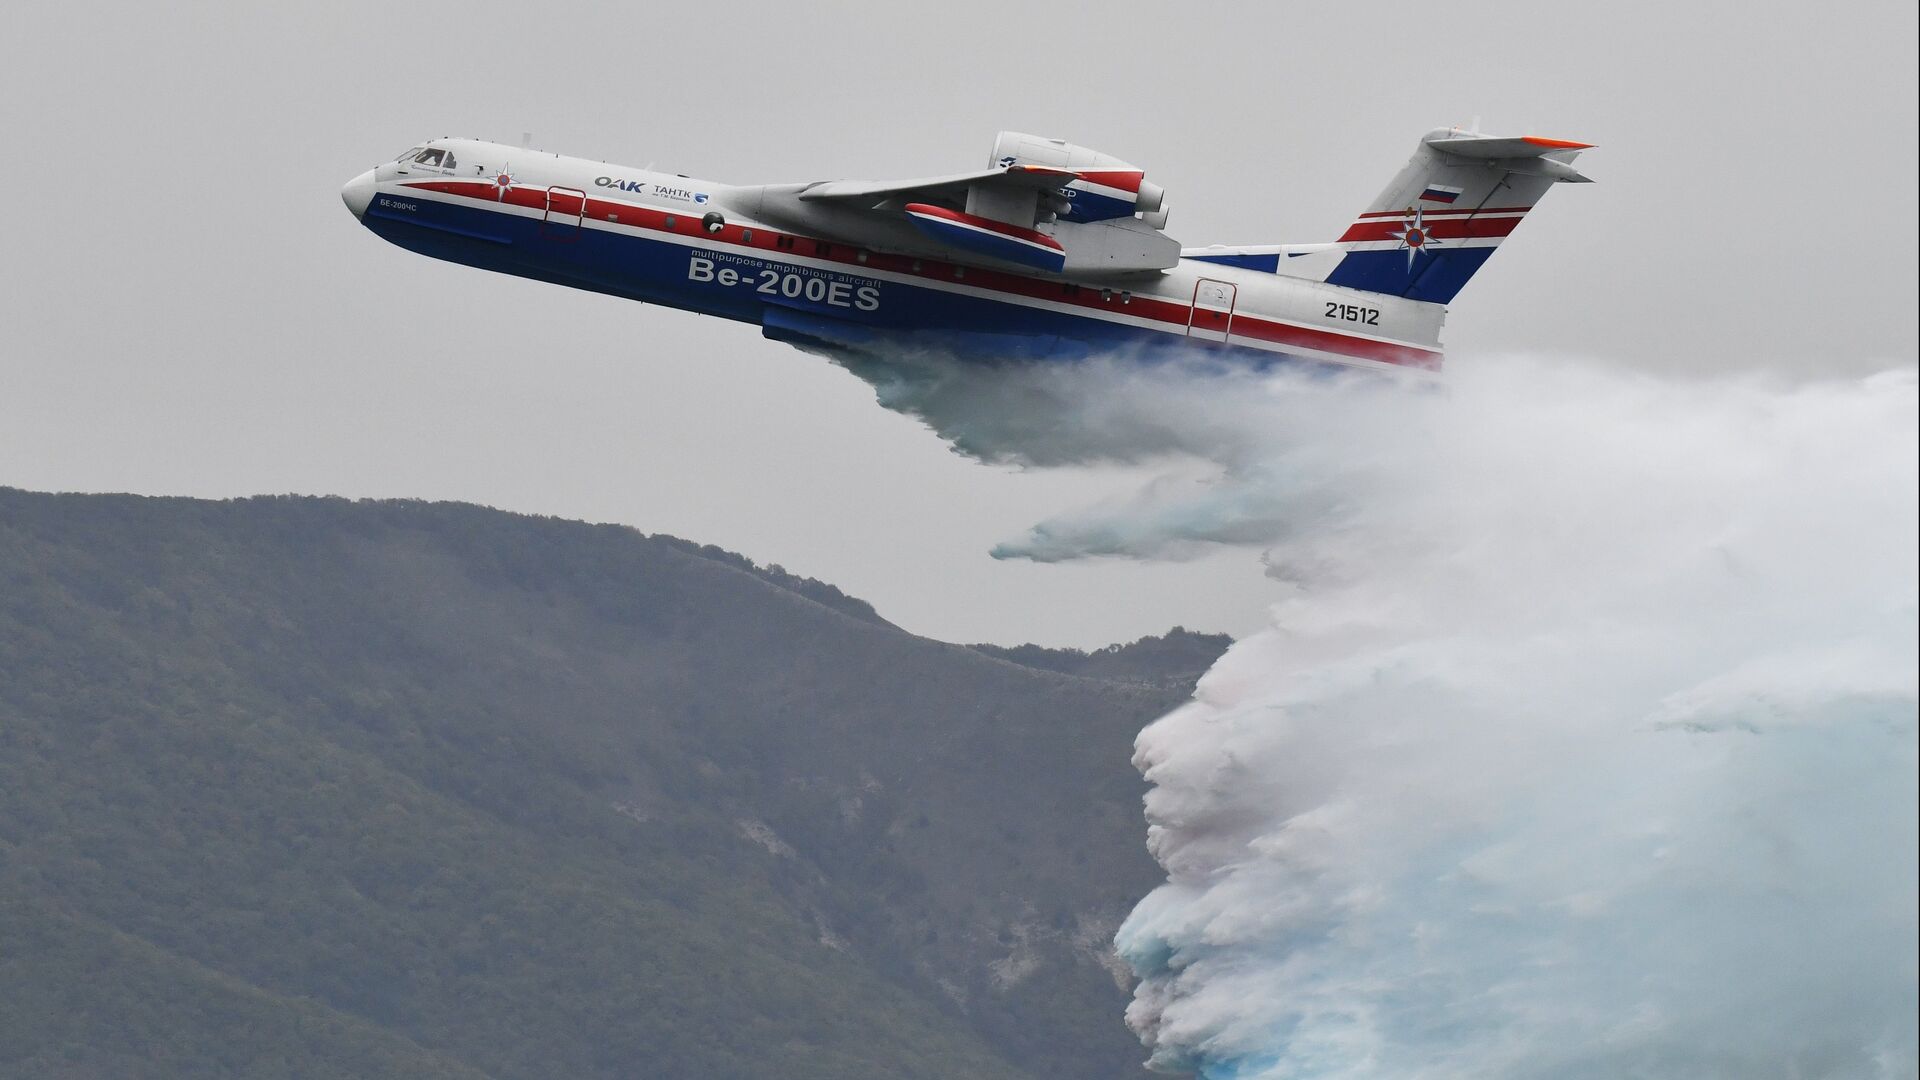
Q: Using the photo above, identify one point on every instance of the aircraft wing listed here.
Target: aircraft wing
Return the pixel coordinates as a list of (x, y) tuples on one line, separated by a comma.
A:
[(1012, 180), (1071, 211)]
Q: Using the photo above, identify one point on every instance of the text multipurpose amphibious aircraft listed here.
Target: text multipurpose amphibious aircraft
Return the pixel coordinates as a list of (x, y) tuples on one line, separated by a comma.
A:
[(1052, 250)]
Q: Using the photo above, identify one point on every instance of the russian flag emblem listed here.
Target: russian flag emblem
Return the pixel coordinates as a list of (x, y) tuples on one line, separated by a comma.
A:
[(1440, 193)]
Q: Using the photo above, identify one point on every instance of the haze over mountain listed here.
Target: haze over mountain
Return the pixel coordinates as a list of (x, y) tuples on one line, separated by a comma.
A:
[(310, 787)]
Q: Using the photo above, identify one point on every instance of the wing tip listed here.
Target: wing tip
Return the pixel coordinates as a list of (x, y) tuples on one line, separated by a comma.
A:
[(1556, 144), (1043, 170)]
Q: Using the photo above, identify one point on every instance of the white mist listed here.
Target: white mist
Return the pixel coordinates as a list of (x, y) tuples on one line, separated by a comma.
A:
[(1583, 747)]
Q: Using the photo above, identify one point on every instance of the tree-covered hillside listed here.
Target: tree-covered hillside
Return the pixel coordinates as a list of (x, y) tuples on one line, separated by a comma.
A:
[(309, 787)]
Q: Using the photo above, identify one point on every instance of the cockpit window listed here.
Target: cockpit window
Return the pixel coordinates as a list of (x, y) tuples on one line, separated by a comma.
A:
[(431, 156), (409, 154)]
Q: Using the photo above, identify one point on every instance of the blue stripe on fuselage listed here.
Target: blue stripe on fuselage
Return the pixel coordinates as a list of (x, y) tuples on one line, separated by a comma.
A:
[(1269, 263)]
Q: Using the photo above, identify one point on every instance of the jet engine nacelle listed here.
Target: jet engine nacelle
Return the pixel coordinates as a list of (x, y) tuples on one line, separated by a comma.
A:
[(1108, 188)]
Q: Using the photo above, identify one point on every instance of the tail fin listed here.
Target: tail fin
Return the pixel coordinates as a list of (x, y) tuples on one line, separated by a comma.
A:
[(1441, 218)]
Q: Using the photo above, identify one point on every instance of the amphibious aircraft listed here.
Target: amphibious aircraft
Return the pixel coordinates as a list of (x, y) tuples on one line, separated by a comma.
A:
[(1050, 251)]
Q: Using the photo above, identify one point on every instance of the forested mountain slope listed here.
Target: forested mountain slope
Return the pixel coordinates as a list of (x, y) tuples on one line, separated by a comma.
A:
[(311, 787)]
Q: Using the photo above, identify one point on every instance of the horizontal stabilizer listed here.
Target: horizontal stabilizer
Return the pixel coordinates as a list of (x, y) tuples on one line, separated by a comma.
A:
[(1294, 260), (1529, 154)]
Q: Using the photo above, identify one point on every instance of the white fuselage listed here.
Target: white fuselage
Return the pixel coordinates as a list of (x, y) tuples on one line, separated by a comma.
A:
[(712, 247)]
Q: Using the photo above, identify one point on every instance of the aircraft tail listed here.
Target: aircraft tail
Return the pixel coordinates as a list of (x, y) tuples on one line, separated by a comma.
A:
[(1436, 224), (1441, 219)]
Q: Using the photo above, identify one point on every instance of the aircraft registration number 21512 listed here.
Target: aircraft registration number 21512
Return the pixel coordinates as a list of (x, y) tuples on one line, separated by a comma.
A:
[(1369, 316), (788, 283)]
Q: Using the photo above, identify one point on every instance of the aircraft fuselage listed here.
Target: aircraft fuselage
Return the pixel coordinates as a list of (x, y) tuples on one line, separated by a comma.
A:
[(740, 253)]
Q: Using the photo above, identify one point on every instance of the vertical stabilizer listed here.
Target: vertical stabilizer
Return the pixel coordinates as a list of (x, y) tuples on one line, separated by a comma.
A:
[(1442, 217)]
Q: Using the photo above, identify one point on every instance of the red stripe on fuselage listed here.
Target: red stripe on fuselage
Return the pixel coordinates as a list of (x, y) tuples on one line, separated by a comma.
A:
[(1086, 297), (1306, 337)]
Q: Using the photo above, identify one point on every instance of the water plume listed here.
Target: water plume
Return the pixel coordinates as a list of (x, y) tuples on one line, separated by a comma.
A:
[(1582, 744)]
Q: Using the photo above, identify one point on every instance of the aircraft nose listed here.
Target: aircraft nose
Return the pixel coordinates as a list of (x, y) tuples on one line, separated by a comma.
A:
[(358, 193)]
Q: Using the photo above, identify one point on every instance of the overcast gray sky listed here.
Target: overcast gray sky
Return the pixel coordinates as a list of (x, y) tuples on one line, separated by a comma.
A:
[(188, 309)]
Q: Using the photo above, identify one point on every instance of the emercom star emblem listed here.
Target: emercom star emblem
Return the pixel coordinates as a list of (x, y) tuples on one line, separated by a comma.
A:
[(1413, 235)]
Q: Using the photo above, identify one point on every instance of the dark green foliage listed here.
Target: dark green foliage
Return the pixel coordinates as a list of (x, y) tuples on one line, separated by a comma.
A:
[(1176, 658), (310, 787), (812, 588)]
